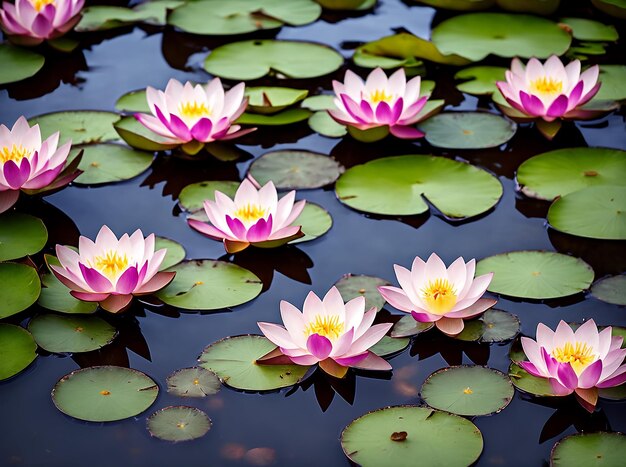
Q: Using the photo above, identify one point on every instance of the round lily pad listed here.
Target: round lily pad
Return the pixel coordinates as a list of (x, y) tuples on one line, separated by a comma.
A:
[(104, 393), (589, 449), (17, 350), (234, 360), (399, 435), (611, 290), (585, 29), (209, 285), (359, 285), (193, 382), (21, 235), (347, 4), (613, 78), (56, 296), (254, 59), (139, 137), (292, 169), (61, 334), (476, 35), (109, 163), (536, 274), (103, 17), (18, 63), (492, 326), (286, 117), (396, 185), (192, 197), (175, 252), (80, 126), (468, 130), (19, 288), (322, 123), (560, 172), (133, 101), (479, 80), (615, 8), (390, 345), (178, 423), (407, 326), (468, 390), (272, 99), (460, 5), (528, 383), (594, 212), (320, 102), (315, 222)]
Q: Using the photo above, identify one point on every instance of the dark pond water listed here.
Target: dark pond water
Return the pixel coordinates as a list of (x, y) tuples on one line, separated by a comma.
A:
[(302, 425)]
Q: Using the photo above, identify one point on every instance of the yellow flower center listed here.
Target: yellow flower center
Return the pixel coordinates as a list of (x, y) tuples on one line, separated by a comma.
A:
[(250, 213), (14, 153), (40, 4), (547, 85), (380, 95), (577, 354), (110, 264), (440, 296), (327, 326), (194, 110)]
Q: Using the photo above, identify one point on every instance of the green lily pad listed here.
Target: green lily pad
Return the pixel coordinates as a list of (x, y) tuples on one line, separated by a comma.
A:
[(359, 285), (615, 8), (18, 63), (321, 122), (616, 393), (100, 18), (558, 173), (460, 5), (540, 7), (585, 29), (293, 169), (399, 435), (586, 48), (193, 382), (476, 35), (104, 393), (286, 117), (56, 296), (492, 326), (528, 383), (407, 326), (272, 99), (139, 137), (133, 101), (209, 285), (468, 390), (536, 274), (320, 102), (175, 252), (390, 345), (80, 126), (347, 4), (21, 235), (589, 449), (315, 222), (611, 290), (468, 130), (17, 350), (192, 197), (19, 288), (109, 163), (613, 78), (395, 186), (234, 360), (480, 80), (594, 212), (254, 59), (178, 423), (71, 334)]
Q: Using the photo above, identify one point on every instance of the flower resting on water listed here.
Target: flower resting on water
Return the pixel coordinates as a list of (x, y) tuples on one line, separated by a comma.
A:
[(434, 294), (578, 361), (111, 271), (335, 334), (28, 164), (254, 217), (30, 22)]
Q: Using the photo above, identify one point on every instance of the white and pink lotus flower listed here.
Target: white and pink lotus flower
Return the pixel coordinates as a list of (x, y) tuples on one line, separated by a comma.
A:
[(434, 294), (253, 217), (30, 165), (111, 271), (329, 332), (30, 22), (579, 362), (192, 115), (392, 104)]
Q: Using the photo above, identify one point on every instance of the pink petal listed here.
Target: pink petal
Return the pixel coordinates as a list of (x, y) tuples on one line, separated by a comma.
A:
[(201, 130), (319, 346), (159, 281), (127, 282), (616, 379), (558, 107), (277, 334), (475, 309), (383, 113), (89, 297), (116, 303), (405, 132), (352, 361), (260, 231), (567, 376), (450, 326), (94, 279), (373, 362), (559, 389), (532, 105), (236, 227), (590, 375), (7, 199), (396, 298)]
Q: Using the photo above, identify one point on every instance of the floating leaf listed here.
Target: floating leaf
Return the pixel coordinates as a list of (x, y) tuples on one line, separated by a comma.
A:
[(21, 235), (395, 186), (528, 383), (272, 99), (109, 163), (17, 350), (295, 170), (321, 122), (468, 390), (102, 17), (359, 285), (286, 117), (611, 290), (407, 326), (139, 137), (248, 60), (480, 80), (594, 212), (492, 326), (193, 382), (175, 252), (56, 296), (613, 79), (468, 130), (321, 102), (476, 35), (192, 197), (61, 334), (390, 345), (589, 449), (347, 4), (19, 288), (178, 423), (399, 435), (460, 5), (209, 285), (585, 29), (18, 63), (540, 7), (80, 126), (315, 222), (615, 8), (234, 360), (536, 274), (134, 101)]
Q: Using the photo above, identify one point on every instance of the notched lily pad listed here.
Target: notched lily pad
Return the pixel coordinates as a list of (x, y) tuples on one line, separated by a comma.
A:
[(56, 297), (613, 78), (492, 326), (110, 163), (272, 99), (71, 334), (17, 350), (178, 423), (139, 137), (19, 288), (611, 290), (388, 346), (407, 327), (589, 449), (360, 285), (585, 29), (18, 63), (321, 122), (286, 117), (175, 252), (479, 80), (80, 126), (21, 235), (528, 383), (192, 197), (193, 382)]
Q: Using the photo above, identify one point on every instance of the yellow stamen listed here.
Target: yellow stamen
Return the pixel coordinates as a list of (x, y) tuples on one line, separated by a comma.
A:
[(250, 213), (468, 390), (326, 326), (110, 264), (577, 354), (194, 110), (14, 153), (40, 4), (440, 296), (380, 95), (547, 85)]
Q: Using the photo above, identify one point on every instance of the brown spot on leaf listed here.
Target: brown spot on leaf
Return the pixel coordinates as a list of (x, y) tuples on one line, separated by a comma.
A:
[(398, 436)]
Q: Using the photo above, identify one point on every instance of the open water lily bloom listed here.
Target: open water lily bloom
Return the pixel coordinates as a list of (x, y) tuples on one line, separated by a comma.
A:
[(578, 361), (27, 163), (112, 271), (434, 294), (30, 22), (253, 217), (335, 334), (379, 101)]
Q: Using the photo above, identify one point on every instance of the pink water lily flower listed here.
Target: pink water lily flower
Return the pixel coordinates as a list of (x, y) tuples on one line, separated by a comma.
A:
[(253, 217), (434, 294), (27, 163), (30, 22), (578, 361), (335, 334), (379, 102), (112, 271), (185, 113)]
